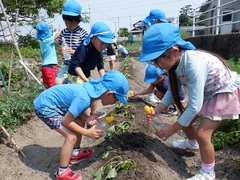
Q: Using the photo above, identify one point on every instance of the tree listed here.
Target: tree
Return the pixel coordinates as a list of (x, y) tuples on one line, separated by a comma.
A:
[(29, 10), (201, 18), (186, 14), (123, 32)]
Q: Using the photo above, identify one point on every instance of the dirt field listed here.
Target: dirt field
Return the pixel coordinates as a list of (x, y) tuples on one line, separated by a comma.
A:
[(155, 159)]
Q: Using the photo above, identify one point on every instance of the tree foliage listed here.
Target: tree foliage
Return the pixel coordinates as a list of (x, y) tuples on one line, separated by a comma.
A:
[(29, 10), (186, 14), (202, 17), (123, 32)]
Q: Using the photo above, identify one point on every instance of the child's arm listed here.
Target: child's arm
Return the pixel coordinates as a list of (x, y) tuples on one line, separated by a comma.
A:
[(145, 91), (101, 72), (80, 73)]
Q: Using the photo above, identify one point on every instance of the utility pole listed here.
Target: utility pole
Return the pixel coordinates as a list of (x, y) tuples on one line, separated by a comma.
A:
[(130, 23), (89, 14), (118, 27), (89, 9)]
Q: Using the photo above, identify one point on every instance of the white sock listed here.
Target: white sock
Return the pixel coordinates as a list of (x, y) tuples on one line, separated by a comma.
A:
[(61, 170), (75, 151), (151, 95), (208, 168)]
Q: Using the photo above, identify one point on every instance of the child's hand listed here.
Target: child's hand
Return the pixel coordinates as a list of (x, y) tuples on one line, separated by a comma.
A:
[(95, 133), (68, 49), (56, 35), (131, 94), (165, 132), (91, 120)]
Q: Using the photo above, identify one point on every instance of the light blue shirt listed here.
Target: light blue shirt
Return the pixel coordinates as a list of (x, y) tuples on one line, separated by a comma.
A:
[(48, 51), (204, 75), (57, 99)]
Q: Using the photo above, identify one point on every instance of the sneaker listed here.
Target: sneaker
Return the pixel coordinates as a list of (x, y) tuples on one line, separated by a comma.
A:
[(183, 144), (201, 175), (171, 112), (68, 175), (99, 114), (83, 154), (151, 98)]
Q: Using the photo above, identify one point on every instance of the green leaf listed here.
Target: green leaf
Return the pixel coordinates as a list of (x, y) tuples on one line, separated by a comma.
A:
[(99, 173), (105, 154), (126, 165), (111, 174)]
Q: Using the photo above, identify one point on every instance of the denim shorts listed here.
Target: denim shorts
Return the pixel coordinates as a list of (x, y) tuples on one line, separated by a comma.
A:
[(63, 72)]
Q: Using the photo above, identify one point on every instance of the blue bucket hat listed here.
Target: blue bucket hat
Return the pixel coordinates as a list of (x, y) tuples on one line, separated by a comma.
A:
[(146, 23), (113, 81), (43, 31), (152, 73), (72, 8), (156, 14), (160, 37), (102, 31)]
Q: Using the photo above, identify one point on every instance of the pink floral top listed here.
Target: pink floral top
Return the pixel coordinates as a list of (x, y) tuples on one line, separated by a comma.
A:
[(204, 75)]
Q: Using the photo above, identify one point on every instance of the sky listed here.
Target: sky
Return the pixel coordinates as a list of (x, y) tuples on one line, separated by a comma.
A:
[(121, 13), (124, 13)]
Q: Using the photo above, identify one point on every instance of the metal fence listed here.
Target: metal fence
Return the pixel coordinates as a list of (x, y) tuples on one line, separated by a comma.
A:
[(222, 17)]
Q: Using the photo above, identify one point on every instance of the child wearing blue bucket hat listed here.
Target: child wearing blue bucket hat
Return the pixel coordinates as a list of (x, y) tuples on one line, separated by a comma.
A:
[(62, 109), (88, 56), (159, 83), (155, 16), (73, 34), (213, 91), (49, 57)]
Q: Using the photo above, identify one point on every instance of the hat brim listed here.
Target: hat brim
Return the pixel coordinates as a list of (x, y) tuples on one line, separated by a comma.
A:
[(122, 99), (70, 13), (94, 88), (106, 40), (150, 56), (149, 80), (164, 20)]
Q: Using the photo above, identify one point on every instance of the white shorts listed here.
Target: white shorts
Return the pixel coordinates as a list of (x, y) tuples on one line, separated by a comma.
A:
[(111, 58)]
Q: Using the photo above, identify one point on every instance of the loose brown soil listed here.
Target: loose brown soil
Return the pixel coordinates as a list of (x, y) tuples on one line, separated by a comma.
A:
[(155, 159)]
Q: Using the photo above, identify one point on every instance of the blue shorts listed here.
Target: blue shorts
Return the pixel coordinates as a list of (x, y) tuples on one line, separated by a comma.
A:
[(63, 73), (53, 122)]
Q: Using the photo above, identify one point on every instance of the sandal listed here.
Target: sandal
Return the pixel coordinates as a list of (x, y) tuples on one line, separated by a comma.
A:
[(68, 175), (83, 154)]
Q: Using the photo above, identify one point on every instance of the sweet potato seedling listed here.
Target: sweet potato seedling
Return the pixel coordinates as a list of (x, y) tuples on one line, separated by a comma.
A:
[(111, 167)]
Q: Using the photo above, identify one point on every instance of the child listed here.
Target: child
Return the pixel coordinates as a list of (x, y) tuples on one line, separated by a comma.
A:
[(213, 91), (155, 16), (61, 108), (111, 54), (122, 50), (88, 56), (74, 35), (49, 58), (159, 84)]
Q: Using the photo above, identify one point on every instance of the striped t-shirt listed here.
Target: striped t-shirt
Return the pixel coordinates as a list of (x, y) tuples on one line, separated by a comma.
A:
[(73, 38)]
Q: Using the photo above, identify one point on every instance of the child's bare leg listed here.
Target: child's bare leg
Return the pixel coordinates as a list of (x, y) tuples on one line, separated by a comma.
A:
[(111, 65), (67, 147), (203, 135)]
